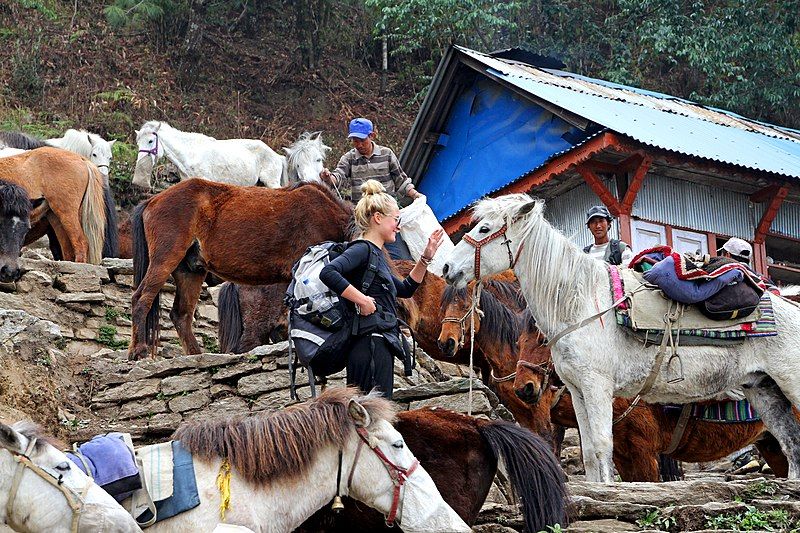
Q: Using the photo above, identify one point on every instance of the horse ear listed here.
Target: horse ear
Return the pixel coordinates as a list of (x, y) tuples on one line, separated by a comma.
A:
[(316, 135), (157, 127), (111, 143), (9, 438), (89, 138), (525, 209), (358, 413), (288, 151), (36, 202)]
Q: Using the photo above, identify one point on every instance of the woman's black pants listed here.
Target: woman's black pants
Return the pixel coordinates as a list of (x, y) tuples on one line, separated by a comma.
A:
[(371, 365)]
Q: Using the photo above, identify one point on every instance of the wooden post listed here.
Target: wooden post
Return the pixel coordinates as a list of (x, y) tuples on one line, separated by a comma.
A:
[(384, 62), (769, 215)]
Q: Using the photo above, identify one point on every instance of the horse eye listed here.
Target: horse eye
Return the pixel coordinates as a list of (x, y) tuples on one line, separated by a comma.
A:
[(399, 445), (484, 229), (63, 467)]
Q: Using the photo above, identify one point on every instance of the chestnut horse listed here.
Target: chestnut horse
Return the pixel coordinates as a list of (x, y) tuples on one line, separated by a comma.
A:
[(249, 235), (645, 431), (73, 194), (497, 328), (251, 315), (461, 453)]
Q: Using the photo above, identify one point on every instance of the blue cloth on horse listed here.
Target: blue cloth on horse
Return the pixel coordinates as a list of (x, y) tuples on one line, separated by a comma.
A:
[(184, 493), (111, 463), (663, 275)]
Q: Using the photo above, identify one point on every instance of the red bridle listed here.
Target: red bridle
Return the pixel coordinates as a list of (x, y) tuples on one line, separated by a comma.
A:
[(397, 474), (512, 258)]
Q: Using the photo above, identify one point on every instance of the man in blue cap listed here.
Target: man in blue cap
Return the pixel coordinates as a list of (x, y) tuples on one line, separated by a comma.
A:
[(368, 160), (616, 252)]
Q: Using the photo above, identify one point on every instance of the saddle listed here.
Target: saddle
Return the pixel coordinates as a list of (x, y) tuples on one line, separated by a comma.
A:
[(648, 305)]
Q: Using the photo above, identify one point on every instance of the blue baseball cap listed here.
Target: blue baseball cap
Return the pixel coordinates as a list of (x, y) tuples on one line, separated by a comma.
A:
[(360, 128)]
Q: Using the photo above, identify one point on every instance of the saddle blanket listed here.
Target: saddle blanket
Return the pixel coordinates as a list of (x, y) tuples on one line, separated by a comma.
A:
[(168, 470), (648, 305), (109, 461), (729, 411)]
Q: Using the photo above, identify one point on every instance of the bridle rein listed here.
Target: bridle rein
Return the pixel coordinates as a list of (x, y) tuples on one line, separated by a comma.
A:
[(397, 474), (75, 500), (501, 232), (154, 150)]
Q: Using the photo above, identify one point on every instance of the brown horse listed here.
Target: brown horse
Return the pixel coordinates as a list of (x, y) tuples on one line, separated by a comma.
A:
[(249, 235), (251, 315), (497, 328), (461, 453), (73, 199), (643, 432)]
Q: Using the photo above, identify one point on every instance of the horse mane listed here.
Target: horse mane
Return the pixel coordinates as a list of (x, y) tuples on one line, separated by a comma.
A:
[(790, 290), (280, 444), (351, 230), (14, 201), (153, 125), (32, 430), (303, 147), (77, 141), (563, 277), (23, 141)]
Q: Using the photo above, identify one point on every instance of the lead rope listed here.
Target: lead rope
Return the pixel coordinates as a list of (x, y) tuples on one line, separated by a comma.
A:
[(476, 301)]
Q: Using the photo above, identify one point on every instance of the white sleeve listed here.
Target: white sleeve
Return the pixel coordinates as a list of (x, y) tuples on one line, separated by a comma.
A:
[(627, 255)]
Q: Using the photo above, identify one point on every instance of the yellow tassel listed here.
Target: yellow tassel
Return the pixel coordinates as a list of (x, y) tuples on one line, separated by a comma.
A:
[(224, 486)]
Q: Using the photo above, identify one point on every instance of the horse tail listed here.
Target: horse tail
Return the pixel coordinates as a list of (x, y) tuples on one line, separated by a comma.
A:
[(111, 240), (534, 472), (141, 262), (229, 330), (93, 217), (669, 468)]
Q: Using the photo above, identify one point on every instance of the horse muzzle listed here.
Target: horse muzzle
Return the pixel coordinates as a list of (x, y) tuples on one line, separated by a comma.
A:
[(9, 274), (447, 347), (530, 393)]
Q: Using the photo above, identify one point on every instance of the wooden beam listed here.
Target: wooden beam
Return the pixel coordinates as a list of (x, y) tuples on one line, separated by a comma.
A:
[(766, 194), (769, 215), (636, 183), (625, 233), (556, 167), (599, 188)]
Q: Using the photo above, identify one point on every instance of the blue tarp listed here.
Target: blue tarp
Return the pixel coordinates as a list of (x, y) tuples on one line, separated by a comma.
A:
[(489, 124)]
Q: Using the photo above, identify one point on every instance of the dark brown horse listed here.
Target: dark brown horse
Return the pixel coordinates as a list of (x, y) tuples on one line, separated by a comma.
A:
[(251, 315), (461, 453), (497, 328), (73, 199), (15, 208), (646, 430), (249, 235)]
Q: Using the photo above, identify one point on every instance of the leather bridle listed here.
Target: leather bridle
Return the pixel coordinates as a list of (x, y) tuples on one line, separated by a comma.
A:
[(152, 151), (462, 324), (75, 500), (397, 474), (501, 232)]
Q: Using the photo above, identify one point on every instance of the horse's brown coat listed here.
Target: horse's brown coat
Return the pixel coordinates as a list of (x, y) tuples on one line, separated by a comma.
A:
[(249, 235), (72, 188)]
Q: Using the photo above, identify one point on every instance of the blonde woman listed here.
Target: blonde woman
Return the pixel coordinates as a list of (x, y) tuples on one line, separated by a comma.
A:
[(377, 335)]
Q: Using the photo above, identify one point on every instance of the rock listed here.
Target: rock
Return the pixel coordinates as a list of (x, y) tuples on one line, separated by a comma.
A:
[(430, 390), (142, 408), (85, 334), (587, 508), (493, 528), (81, 297), (124, 280), (33, 279), (19, 326), (219, 390), (118, 266), (207, 312), (164, 423), (77, 283), (65, 267), (606, 525), (183, 383), (82, 308), (190, 402), (262, 382), (165, 367), (214, 292), (235, 371), (222, 408), (277, 349), (457, 402), (128, 391), (272, 401)]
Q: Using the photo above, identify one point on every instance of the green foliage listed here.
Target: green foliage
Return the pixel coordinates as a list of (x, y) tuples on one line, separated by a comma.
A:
[(553, 529), (111, 313), (754, 519), (763, 490), (654, 520), (210, 345), (165, 19), (107, 336), (27, 81), (46, 8)]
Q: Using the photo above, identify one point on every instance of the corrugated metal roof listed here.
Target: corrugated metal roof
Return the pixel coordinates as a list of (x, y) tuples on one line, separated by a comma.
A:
[(658, 120)]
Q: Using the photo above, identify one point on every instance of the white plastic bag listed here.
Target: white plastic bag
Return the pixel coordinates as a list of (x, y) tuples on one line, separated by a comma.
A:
[(417, 223)]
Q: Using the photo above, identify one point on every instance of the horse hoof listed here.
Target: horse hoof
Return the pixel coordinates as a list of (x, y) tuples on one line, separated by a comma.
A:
[(137, 354)]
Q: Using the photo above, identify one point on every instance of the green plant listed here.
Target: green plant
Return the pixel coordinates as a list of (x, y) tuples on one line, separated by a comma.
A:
[(107, 336), (111, 313), (754, 519), (252, 358), (654, 520), (759, 490), (27, 81), (556, 528), (210, 345), (44, 7)]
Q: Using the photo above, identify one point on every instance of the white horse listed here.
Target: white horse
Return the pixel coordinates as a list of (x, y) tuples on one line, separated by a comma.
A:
[(41, 490), (89, 145), (305, 158), (232, 161), (598, 361)]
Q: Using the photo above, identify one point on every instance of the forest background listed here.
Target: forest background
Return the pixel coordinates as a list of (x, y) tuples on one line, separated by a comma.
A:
[(271, 69)]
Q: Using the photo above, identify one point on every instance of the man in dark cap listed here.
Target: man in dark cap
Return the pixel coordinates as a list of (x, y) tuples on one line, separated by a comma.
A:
[(612, 251)]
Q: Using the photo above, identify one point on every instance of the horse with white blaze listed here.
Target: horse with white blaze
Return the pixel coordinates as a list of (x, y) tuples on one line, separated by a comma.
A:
[(599, 360)]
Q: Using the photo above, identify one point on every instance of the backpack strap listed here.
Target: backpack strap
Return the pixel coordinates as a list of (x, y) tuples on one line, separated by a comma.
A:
[(366, 282), (586, 249)]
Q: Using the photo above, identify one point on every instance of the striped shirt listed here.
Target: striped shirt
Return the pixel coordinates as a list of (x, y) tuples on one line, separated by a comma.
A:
[(354, 169)]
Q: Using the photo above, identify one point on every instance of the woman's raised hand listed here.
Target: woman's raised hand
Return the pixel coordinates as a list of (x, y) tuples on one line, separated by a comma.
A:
[(433, 244)]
